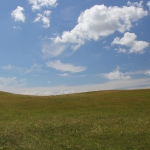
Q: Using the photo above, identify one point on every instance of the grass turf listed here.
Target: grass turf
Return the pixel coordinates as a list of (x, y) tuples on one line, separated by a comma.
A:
[(104, 120)]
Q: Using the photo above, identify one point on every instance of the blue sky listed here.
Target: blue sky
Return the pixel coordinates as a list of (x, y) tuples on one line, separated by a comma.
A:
[(55, 47)]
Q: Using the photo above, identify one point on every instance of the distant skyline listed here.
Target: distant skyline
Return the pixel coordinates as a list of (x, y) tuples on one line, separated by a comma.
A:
[(51, 47)]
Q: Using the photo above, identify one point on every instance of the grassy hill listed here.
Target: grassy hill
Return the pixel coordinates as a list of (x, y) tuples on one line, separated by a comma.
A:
[(104, 120)]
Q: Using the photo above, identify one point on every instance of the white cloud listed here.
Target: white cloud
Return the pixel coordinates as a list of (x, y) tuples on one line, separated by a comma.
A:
[(116, 75), (53, 50), (136, 72), (147, 72), (17, 27), (34, 68), (8, 81), (148, 4), (49, 82), (44, 18), (48, 93), (18, 15), (129, 40), (99, 21), (106, 47), (64, 74), (11, 81), (136, 4), (65, 67), (65, 91), (121, 50), (38, 4), (13, 68), (8, 67), (37, 93)]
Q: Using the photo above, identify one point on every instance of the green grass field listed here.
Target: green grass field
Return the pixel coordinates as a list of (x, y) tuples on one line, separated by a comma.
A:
[(104, 120)]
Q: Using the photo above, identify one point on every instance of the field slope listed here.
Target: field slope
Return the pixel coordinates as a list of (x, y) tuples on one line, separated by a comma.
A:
[(104, 120)]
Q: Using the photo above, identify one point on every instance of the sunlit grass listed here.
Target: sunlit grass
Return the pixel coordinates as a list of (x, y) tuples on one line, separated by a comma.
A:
[(107, 120)]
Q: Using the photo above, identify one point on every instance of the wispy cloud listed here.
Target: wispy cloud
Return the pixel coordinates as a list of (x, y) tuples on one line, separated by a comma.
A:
[(147, 72), (57, 65), (71, 76), (106, 47), (110, 85), (17, 27), (52, 49), (63, 74), (129, 40), (8, 81), (136, 72), (11, 81), (49, 82), (34, 68), (18, 14), (13, 68)]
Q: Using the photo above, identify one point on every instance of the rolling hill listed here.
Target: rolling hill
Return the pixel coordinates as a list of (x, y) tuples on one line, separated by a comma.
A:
[(115, 120)]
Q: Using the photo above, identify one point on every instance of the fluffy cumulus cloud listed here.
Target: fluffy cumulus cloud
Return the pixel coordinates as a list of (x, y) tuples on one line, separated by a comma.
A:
[(65, 67), (136, 4), (116, 75), (44, 18), (148, 4), (129, 40), (38, 4), (18, 14), (99, 21)]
